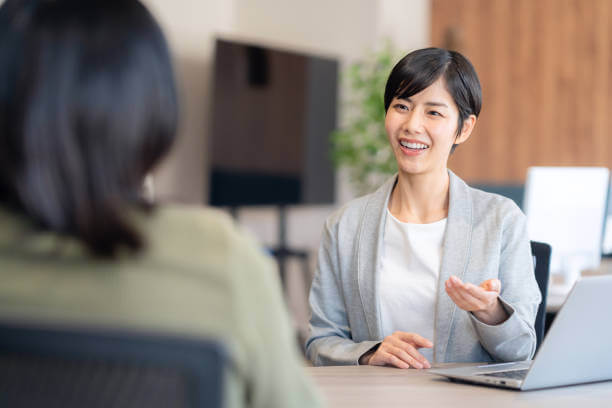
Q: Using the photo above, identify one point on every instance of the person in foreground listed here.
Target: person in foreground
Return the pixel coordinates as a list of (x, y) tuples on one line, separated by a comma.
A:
[(87, 107), (425, 269)]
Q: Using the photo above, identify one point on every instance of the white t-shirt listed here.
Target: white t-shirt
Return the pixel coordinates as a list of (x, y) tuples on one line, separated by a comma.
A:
[(408, 282)]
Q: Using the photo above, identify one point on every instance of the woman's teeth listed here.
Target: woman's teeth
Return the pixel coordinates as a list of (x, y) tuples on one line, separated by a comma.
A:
[(408, 145)]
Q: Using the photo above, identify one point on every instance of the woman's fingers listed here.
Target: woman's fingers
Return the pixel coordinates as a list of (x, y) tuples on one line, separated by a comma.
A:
[(488, 298), (454, 288), (411, 342), (493, 285), (470, 297), (415, 339), (466, 298), (460, 300), (476, 292), (490, 285), (400, 350), (410, 356), (473, 302), (410, 349), (384, 357)]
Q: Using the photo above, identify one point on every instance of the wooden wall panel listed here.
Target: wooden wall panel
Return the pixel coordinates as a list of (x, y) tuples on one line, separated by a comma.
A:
[(545, 69)]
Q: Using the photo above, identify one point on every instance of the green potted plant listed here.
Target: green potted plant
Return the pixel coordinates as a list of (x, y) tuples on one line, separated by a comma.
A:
[(361, 145)]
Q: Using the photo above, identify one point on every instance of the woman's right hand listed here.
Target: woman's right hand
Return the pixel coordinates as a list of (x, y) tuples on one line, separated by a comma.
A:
[(400, 350)]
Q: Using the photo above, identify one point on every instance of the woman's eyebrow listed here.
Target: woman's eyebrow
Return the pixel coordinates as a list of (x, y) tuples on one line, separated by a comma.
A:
[(436, 104)]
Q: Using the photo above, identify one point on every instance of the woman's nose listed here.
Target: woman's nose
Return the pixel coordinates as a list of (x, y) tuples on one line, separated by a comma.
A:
[(413, 122)]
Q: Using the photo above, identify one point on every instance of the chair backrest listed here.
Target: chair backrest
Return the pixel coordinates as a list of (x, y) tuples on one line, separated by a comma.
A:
[(541, 259), (44, 366)]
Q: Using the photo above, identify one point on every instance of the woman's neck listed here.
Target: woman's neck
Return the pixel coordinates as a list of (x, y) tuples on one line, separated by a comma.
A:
[(420, 199)]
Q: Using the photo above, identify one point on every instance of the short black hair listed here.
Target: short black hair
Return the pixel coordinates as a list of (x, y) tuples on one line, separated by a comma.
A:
[(421, 68), (88, 105)]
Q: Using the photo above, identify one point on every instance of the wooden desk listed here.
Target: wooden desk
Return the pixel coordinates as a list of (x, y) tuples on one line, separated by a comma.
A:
[(367, 386)]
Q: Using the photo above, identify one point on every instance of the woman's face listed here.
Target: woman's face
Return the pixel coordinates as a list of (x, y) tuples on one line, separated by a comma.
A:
[(423, 128)]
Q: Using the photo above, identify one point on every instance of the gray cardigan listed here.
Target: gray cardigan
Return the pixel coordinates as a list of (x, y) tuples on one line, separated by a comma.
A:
[(486, 237)]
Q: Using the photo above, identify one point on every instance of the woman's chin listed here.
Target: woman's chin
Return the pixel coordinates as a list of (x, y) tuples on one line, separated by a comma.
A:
[(410, 171), (413, 170), (410, 167)]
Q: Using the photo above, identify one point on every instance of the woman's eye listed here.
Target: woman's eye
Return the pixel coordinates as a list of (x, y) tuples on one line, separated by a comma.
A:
[(401, 107), (435, 113)]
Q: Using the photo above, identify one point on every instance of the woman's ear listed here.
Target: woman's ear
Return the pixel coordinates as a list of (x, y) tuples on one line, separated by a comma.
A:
[(466, 131)]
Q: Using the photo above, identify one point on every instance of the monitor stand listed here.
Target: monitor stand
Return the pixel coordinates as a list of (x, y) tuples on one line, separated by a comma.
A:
[(283, 252)]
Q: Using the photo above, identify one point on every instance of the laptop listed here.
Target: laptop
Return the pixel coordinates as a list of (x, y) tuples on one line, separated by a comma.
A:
[(576, 350)]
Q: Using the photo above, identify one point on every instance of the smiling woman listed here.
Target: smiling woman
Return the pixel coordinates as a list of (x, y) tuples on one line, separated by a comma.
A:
[(425, 269), (422, 129)]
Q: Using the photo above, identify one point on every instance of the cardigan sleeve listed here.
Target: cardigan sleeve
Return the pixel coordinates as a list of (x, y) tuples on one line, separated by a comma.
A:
[(330, 341), (515, 338)]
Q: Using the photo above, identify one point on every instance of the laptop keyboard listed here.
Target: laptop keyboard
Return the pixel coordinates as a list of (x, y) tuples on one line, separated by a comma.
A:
[(514, 374)]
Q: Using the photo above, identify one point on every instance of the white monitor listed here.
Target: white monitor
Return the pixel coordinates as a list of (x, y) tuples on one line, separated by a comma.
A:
[(607, 239), (566, 208)]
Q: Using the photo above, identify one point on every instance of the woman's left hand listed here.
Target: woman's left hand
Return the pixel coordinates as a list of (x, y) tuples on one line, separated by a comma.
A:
[(481, 300)]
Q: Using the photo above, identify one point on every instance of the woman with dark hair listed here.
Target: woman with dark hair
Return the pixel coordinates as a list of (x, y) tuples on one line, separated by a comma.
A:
[(87, 107), (425, 269)]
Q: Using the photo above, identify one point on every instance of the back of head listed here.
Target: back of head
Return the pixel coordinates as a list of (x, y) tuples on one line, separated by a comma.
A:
[(87, 107)]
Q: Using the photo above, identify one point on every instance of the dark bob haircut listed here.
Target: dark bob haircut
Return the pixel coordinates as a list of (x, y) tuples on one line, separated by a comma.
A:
[(87, 106), (421, 68)]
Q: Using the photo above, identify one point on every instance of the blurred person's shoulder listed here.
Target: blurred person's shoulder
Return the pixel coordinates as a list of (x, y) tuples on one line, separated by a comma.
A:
[(193, 221), (202, 237)]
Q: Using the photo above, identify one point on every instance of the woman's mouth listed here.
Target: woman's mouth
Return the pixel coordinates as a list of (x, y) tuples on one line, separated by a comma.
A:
[(412, 147)]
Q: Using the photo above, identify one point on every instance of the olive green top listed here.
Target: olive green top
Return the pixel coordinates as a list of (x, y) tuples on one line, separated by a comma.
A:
[(197, 276)]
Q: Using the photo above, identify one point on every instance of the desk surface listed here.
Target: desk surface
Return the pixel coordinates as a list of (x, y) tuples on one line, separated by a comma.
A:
[(367, 386)]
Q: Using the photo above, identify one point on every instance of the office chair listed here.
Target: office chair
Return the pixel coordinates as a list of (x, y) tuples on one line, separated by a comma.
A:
[(541, 260), (45, 366)]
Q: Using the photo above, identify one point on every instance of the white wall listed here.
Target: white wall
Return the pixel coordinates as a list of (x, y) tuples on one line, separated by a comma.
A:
[(189, 26), (339, 27), (405, 22), (345, 29)]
